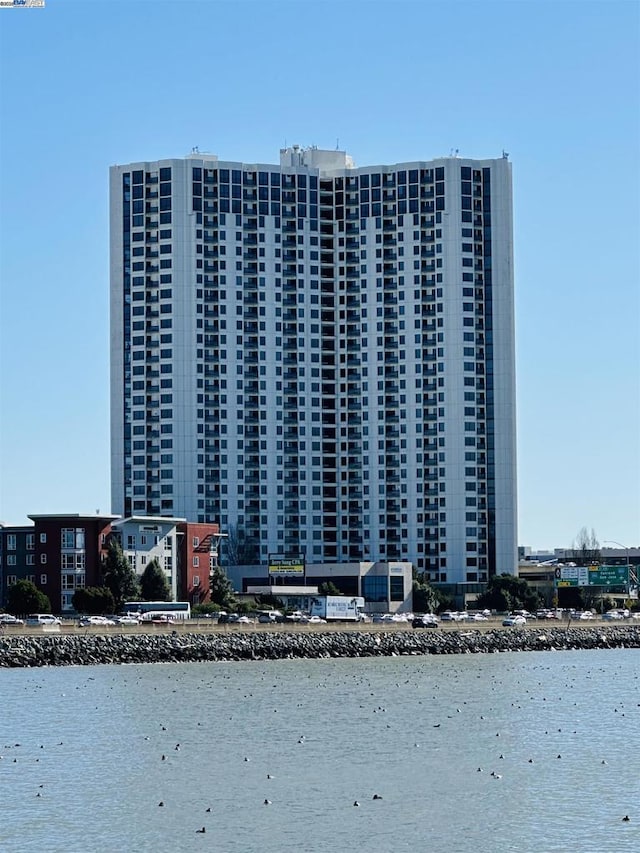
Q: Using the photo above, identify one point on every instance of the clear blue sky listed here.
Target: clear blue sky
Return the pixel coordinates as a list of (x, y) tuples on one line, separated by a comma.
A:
[(85, 85)]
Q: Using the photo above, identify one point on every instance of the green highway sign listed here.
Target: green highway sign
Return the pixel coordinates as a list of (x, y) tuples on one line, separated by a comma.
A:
[(592, 576), (608, 575)]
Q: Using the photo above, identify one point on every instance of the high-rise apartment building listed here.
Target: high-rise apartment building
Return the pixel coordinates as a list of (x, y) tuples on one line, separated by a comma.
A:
[(319, 357)]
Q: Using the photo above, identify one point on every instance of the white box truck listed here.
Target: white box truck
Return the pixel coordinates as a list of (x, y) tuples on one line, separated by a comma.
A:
[(343, 608)]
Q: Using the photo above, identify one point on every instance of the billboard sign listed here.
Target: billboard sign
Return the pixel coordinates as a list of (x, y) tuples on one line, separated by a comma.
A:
[(286, 567)]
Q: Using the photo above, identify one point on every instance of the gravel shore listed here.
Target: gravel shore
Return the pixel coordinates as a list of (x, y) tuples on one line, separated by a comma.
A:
[(30, 650)]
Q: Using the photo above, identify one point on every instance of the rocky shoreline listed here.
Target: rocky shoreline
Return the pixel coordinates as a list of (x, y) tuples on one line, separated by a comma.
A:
[(92, 649)]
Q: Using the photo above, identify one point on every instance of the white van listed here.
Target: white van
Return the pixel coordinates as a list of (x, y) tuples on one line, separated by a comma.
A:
[(36, 619)]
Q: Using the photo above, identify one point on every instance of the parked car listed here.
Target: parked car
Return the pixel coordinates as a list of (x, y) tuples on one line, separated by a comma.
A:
[(267, 617), (452, 616), (426, 621), (296, 616), (157, 619), (127, 619), (613, 614), (35, 619), (513, 621), (316, 620), (8, 619), (100, 621), (524, 613)]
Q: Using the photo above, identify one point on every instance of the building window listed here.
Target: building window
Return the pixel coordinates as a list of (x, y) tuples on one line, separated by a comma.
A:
[(196, 541), (67, 537), (11, 541), (131, 541), (11, 579), (196, 580), (375, 589), (72, 562), (31, 541), (30, 559), (43, 558), (11, 559), (43, 538), (396, 589), (196, 562), (43, 580)]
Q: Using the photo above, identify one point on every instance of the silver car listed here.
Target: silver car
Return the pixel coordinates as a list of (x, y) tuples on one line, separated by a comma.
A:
[(8, 619)]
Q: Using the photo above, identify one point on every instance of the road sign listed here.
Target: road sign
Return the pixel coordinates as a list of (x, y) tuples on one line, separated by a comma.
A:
[(608, 576), (592, 576)]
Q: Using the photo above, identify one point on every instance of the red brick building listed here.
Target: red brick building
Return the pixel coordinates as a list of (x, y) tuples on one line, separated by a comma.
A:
[(69, 549), (62, 553), (198, 553)]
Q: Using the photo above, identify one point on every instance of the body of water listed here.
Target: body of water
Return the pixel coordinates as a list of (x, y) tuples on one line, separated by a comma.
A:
[(509, 752)]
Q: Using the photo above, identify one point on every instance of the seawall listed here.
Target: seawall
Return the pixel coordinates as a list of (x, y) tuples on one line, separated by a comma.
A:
[(89, 649)]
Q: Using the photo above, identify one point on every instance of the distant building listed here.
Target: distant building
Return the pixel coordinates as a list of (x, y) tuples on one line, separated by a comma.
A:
[(18, 556), (319, 355), (62, 553), (185, 551), (59, 554), (144, 539), (385, 586)]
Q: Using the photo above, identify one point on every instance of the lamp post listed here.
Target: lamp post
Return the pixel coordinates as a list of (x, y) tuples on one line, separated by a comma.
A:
[(627, 550)]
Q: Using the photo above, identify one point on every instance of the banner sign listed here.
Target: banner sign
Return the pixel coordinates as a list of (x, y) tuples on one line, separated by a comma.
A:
[(286, 566)]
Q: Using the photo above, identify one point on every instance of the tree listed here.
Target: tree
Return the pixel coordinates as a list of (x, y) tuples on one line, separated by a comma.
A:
[(25, 597), (93, 600), (584, 598), (118, 576), (328, 588), (268, 602), (205, 609), (221, 589), (507, 592), (239, 548), (153, 583), (427, 599), (586, 548)]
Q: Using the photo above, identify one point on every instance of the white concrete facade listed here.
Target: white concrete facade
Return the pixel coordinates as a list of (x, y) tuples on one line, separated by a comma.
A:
[(319, 355), (144, 539)]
